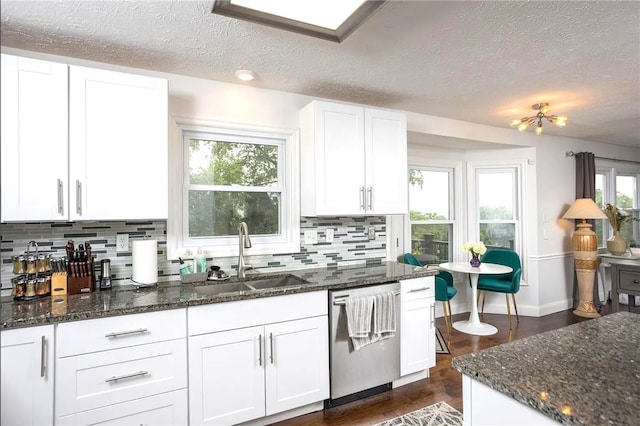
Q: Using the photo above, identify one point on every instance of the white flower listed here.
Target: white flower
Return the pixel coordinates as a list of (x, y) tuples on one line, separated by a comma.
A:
[(475, 247)]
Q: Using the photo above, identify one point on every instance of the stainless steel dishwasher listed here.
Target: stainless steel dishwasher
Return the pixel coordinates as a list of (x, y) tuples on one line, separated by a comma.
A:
[(373, 365)]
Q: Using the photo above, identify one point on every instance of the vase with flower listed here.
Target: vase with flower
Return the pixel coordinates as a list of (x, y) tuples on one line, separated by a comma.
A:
[(476, 249), (616, 245)]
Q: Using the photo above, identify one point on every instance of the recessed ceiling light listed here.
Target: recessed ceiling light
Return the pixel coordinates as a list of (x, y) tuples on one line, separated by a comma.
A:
[(331, 20), (245, 75)]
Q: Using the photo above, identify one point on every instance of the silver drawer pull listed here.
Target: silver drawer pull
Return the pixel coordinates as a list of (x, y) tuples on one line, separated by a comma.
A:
[(126, 333), (127, 376), (413, 290)]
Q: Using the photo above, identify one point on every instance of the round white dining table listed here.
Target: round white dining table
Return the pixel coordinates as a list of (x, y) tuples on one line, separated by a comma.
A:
[(473, 324)]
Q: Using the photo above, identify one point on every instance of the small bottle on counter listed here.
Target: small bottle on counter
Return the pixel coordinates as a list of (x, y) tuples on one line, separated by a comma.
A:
[(31, 288), (31, 265), (199, 262), (19, 265), (41, 264)]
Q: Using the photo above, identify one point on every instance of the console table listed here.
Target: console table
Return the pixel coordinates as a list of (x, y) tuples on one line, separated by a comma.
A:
[(625, 278)]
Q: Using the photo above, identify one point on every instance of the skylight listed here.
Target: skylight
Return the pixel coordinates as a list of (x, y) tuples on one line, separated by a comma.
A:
[(328, 14), (328, 19)]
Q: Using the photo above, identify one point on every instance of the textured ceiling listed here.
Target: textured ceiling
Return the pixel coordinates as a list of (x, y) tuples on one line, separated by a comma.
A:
[(483, 62)]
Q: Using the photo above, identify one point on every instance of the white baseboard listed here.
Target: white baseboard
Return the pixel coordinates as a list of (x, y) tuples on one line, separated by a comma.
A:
[(300, 411)]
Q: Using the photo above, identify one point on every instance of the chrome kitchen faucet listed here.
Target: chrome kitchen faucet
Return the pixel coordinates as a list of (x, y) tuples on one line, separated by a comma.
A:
[(243, 242)]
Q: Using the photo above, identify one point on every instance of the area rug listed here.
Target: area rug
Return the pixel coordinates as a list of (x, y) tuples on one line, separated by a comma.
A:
[(438, 414), (441, 344)]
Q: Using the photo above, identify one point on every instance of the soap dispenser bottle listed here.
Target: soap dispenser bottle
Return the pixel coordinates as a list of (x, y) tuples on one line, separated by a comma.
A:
[(199, 262)]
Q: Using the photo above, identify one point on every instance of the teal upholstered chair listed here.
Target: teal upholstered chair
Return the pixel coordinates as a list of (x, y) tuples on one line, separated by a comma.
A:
[(509, 284), (445, 291)]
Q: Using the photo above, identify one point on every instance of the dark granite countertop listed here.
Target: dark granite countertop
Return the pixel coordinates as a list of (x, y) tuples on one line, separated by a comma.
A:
[(127, 299), (590, 369)]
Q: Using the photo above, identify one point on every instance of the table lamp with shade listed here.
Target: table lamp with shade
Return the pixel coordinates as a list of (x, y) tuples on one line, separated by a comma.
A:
[(585, 249)]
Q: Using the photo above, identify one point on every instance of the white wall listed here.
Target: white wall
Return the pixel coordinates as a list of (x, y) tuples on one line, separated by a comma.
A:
[(552, 175)]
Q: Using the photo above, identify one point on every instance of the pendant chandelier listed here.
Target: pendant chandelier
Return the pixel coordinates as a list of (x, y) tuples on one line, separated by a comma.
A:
[(542, 108)]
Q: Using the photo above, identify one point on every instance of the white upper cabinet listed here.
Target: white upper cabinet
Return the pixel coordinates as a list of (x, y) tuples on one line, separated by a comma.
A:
[(81, 143), (118, 146), (353, 160), (34, 140)]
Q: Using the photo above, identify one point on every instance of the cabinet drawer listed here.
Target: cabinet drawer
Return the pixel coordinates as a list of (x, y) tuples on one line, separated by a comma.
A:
[(96, 335), (90, 381), (417, 288), (629, 280), (164, 409), (248, 313)]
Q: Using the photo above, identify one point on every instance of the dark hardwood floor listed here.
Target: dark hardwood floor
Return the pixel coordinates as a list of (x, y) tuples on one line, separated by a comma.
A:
[(445, 383)]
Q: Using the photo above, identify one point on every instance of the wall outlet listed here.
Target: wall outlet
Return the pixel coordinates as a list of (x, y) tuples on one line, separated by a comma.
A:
[(372, 233), (311, 237), (122, 242), (328, 235)]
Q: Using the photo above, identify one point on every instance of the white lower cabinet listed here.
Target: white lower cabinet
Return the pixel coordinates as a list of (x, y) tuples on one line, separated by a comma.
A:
[(130, 369), (26, 379), (417, 317), (258, 370), (164, 409)]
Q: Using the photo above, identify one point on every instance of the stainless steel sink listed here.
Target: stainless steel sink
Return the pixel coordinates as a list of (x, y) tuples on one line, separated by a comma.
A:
[(251, 284), (224, 288), (275, 282)]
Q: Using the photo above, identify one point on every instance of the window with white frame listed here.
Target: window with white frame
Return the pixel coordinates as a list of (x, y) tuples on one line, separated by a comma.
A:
[(431, 213), (617, 184), (233, 175), (498, 212)]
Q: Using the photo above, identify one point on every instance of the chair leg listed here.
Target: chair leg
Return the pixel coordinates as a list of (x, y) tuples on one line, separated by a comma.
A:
[(450, 317), (513, 296), (484, 299), (446, 320), (508, 311)]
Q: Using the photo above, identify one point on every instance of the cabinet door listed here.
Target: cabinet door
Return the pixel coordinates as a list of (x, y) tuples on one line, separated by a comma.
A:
[(334, 154), (165, 409), (297, 364), (26, 380), (117, 146), (34, 140), (387, 178), (226, 377), (417, 319), (418, 335)]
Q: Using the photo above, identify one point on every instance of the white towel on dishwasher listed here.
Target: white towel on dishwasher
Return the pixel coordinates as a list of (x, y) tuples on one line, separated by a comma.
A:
[(359, 313), (384, 316)]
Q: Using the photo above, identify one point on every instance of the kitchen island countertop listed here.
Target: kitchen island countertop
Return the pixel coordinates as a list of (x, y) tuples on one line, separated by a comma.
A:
[(583, 374), (126, 299)]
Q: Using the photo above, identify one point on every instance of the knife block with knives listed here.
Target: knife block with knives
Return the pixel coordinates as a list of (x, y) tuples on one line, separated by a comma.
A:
[(80, 271)]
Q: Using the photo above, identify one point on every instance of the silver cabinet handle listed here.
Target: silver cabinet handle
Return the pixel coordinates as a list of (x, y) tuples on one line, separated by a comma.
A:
[(362, 198), (433, 315), (370, 198), (413, 290), (271, 347), (127, 376), (43, 357), (125, 333), (260, 350), (78, 197), (60, 198)]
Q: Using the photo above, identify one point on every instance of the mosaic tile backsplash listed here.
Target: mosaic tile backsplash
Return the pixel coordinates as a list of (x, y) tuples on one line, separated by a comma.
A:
[(350, 245)]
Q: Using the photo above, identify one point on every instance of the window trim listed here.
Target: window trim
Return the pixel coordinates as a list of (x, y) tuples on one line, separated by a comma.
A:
[(521, 212), (287, 242), (611, 170), (452, 220)]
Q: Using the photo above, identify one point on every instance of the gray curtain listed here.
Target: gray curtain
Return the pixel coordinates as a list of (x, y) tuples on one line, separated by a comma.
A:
[(586, 188)]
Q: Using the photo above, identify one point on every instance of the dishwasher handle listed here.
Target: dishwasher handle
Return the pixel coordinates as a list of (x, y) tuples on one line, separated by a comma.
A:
[(342, 300)]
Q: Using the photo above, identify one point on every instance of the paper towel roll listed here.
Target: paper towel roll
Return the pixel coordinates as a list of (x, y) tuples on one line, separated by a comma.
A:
[(145, 261)]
